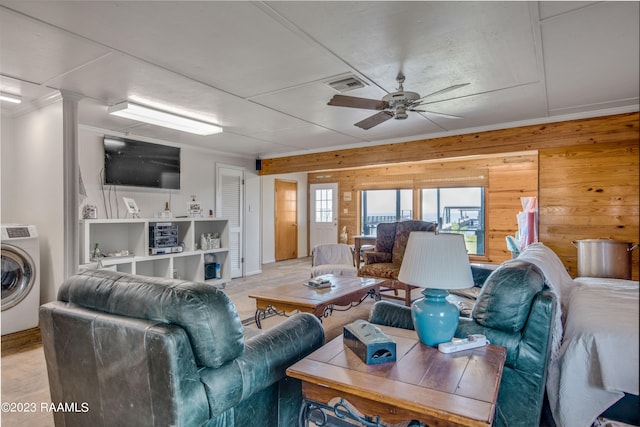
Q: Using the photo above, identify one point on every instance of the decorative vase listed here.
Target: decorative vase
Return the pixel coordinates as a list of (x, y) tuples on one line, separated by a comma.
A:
[(434, 318)]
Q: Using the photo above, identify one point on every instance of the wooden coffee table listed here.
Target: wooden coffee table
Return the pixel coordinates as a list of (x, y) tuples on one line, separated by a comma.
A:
[(456, 389), (346, 292)]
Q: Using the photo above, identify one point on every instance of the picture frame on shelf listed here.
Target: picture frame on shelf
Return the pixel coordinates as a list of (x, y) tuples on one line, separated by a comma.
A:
[(132, 207), (194, 208)]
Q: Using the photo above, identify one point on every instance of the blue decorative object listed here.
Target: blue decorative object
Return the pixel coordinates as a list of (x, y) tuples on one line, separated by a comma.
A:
[(435, 262), (434, 318)]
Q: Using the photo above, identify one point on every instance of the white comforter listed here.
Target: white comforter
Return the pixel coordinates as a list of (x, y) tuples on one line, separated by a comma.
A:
[(598, 358), (594, 356)]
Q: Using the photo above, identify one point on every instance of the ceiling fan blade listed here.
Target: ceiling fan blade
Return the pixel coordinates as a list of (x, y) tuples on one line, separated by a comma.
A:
[(433, 113), (374, 120), (354, 102), (445, 90)]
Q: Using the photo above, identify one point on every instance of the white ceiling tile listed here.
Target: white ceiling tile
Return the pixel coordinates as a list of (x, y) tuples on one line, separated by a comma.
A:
[(307, 137), (202, 39), (29, 92), (503, 106), (435, 44), (549, 9), (37, 53), (260, 69), (583, 53)]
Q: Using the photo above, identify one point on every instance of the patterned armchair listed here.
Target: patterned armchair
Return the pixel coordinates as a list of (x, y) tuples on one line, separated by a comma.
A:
[(385, 260)]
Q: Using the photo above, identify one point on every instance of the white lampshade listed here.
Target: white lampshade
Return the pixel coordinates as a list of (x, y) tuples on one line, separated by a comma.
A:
[(436, 261)]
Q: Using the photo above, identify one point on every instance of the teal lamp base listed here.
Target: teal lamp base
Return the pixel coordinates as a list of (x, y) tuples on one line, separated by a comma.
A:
[(434, 318)]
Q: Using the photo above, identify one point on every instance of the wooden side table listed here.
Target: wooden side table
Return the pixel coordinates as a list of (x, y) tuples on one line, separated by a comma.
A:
[(433, 388)]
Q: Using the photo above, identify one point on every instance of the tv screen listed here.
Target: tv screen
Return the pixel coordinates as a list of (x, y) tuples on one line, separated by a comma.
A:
[(141, 164)]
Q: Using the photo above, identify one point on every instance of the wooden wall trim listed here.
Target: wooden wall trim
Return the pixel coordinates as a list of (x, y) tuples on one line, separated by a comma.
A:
[(615, 128)]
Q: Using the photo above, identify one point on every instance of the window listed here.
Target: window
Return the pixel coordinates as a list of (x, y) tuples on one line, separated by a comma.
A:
[(385, 206), (324, 205), (457, 210)]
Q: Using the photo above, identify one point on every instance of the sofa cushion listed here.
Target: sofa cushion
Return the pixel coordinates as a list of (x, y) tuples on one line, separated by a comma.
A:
[(385, 237), (376, 257), (206, 314), (403, 230), (383, 270), (505, 299)]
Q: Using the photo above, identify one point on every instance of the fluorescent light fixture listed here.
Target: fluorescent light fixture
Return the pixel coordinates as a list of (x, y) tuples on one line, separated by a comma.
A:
[(113, 142), (150, 115), (16, 99)]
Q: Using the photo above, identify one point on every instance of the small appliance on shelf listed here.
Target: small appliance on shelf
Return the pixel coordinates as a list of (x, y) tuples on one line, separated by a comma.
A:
[(163, 238)]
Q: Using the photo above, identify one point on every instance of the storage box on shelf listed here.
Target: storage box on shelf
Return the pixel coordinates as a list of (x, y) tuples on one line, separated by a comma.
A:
[(126, 244)]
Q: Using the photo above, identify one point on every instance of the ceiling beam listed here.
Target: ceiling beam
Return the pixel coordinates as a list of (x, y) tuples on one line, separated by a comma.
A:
[(606, 129)]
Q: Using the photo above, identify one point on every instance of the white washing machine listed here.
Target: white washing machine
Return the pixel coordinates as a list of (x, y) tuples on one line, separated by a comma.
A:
[(20, 278)]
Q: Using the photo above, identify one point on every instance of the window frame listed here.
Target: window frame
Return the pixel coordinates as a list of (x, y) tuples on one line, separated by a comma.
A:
[(482, 213)]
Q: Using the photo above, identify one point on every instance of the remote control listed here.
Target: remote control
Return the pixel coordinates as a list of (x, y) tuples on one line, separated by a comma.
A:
[(472, 341)]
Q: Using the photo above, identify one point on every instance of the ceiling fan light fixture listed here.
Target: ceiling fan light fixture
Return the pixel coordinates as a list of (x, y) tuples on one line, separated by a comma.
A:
[(157, 117), (401, 113), (15, 99)]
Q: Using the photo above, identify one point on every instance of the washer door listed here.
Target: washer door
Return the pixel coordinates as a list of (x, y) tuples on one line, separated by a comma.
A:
[(18, 275)]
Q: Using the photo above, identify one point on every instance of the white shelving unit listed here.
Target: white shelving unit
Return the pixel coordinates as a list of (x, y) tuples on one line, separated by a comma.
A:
[(116, 235)]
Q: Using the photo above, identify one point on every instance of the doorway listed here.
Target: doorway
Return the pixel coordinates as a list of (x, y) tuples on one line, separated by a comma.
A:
[(286, 220), (230, 205), (323, 213)]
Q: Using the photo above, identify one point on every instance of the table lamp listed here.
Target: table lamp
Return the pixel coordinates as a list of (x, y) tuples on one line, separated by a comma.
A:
[(436, 262)]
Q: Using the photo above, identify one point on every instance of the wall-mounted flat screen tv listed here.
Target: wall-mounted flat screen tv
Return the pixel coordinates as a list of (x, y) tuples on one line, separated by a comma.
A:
[(141, 164)]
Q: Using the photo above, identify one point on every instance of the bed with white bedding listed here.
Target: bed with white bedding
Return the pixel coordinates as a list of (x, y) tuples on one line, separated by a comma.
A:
[(594, 357), (598, 359)]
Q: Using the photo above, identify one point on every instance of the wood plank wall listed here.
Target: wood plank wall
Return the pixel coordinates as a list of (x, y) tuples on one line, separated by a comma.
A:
[(505, 178), (589, 192), (600, 153)]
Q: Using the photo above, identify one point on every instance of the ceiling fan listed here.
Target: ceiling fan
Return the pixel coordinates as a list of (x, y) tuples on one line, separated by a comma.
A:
[(395, 104)]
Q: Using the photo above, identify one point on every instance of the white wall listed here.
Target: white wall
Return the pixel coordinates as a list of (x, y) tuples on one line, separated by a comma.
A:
[(268, 214), (32, 185), (32, 190), (197, 177), (252, 232)]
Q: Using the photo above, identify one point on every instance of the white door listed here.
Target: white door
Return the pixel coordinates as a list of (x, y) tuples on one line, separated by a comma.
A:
[(323, 212), (230, 205)]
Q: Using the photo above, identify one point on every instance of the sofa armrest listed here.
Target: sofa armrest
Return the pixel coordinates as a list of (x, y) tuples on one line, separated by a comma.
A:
[(522, 387), (480, 272), (376, 257), (263, 362), (389, 314), (535, 347)]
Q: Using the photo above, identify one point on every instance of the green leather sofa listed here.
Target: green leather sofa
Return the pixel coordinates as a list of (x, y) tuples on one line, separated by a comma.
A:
[(130, 350), (514, 309)]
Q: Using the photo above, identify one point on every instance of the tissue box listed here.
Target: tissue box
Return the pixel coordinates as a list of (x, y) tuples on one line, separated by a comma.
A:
[(369, 343)]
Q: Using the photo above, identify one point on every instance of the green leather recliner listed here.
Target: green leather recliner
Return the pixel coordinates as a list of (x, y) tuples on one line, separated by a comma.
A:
[(130, 350), (515, 310)]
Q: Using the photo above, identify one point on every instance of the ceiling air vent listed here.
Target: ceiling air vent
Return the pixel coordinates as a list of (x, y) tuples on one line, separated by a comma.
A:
[(346, 84)]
